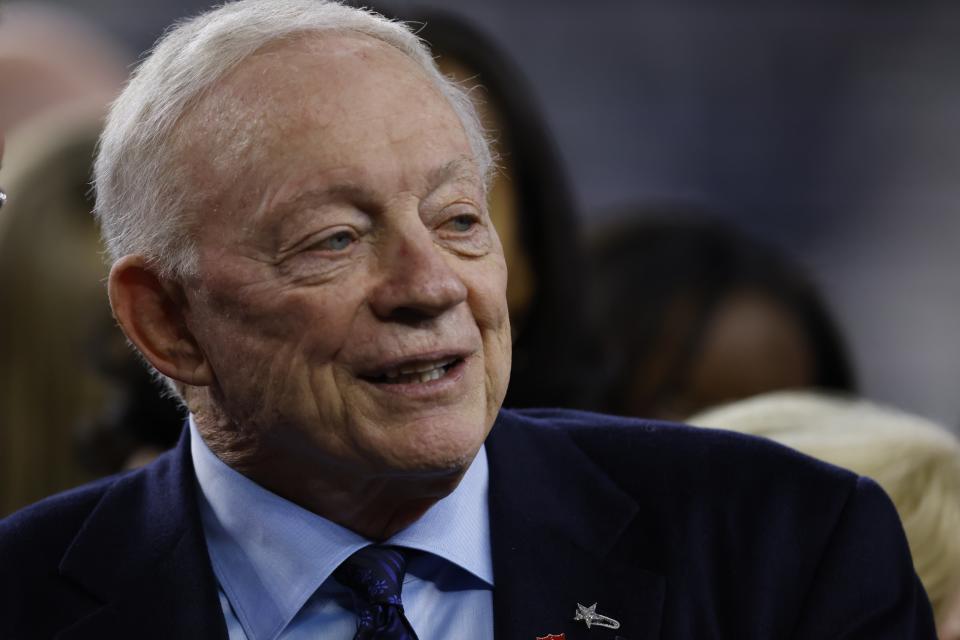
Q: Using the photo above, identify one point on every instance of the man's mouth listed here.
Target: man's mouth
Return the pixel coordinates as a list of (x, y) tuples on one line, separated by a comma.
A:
[(416, 372)]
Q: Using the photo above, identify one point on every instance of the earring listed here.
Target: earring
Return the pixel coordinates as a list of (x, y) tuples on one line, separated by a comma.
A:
[(3, 197)]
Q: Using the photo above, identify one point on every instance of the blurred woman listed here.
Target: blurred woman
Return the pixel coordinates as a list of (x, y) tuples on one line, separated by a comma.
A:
[(693, 313), (51, 294), (58, 74)]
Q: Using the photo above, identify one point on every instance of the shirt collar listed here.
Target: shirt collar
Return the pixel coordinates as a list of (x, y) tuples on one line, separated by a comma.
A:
[(270, 555)]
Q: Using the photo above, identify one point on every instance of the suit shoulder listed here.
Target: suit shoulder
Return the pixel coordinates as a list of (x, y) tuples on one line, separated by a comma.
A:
[(49, 525), (637, 453), (800, 539)]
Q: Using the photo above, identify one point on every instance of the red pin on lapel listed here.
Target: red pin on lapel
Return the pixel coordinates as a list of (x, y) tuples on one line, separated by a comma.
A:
[(552, 636)]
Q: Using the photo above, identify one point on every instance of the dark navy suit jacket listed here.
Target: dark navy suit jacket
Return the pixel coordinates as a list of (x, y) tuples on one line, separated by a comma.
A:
[(676, 532)]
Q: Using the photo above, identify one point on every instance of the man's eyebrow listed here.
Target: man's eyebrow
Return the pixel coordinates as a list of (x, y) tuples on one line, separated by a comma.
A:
[(325, 195), (455, 169)]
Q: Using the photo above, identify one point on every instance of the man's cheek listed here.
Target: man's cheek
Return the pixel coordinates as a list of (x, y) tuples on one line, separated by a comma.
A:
[(487, 282), (271, 382)]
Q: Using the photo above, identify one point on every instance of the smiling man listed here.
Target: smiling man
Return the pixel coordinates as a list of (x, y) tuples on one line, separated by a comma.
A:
[(345, 310), (294, 201)]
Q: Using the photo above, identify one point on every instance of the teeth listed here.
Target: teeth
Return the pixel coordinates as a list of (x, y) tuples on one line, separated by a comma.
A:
[(425, 367), (431, 375), (419, 373)]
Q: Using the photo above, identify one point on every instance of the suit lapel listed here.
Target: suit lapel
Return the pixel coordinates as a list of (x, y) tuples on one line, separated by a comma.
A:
[(557, 521), (142, 553), (557, 531)]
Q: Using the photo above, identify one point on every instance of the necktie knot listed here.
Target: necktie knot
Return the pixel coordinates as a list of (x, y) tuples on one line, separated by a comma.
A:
[(374, 574), (375, 577)]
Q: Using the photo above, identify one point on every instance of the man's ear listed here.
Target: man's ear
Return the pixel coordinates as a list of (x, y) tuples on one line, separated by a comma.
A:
[(151, 313)]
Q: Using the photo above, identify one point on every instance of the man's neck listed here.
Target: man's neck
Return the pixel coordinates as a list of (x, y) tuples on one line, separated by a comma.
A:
[(375, 506)]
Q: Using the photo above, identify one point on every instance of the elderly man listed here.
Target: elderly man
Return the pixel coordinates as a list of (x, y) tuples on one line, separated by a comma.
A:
[(294, 201)]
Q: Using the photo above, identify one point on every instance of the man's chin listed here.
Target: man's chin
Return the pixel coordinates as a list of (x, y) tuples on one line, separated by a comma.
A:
[(443, 465), (429, 439)]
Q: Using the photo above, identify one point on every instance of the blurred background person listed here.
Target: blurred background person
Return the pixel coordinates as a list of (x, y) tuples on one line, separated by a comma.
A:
[(694, 313), (532, 207), (51, 295), (56, 400), (917, 462), (51, 57)]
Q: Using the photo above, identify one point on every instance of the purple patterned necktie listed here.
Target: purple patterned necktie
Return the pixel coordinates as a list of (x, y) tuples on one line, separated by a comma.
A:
[(375, 576)]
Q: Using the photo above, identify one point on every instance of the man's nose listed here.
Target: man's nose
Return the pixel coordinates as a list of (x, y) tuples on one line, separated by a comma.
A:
[(417, 281)]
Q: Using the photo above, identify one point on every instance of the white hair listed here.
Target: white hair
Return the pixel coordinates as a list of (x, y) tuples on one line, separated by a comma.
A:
[(916, 462), (144, 204)]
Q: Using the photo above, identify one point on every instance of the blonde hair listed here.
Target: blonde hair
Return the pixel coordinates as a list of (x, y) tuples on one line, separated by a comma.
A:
[(52, 301), (916, 462)]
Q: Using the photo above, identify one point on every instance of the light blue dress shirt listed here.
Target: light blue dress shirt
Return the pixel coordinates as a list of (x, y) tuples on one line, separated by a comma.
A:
[(274, 560)]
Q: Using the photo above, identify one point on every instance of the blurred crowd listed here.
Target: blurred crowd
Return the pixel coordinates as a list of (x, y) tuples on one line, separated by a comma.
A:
[(669, 313)]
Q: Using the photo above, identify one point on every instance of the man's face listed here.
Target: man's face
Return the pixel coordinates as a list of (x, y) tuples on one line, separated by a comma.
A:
[(351, 290)]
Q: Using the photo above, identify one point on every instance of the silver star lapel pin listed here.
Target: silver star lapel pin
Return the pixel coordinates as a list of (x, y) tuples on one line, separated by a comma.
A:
[(591, 618)]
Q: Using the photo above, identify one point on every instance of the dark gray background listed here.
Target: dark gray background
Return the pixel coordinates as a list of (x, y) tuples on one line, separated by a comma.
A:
[(829, 128)]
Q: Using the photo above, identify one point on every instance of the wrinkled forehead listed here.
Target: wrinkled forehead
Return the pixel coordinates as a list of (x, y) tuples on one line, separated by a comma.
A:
[(309, 70), (271, 91), (323, 79)]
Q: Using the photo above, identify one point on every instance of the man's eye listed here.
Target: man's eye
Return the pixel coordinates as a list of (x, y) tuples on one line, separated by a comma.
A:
[(336, 242), (462, 224)]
